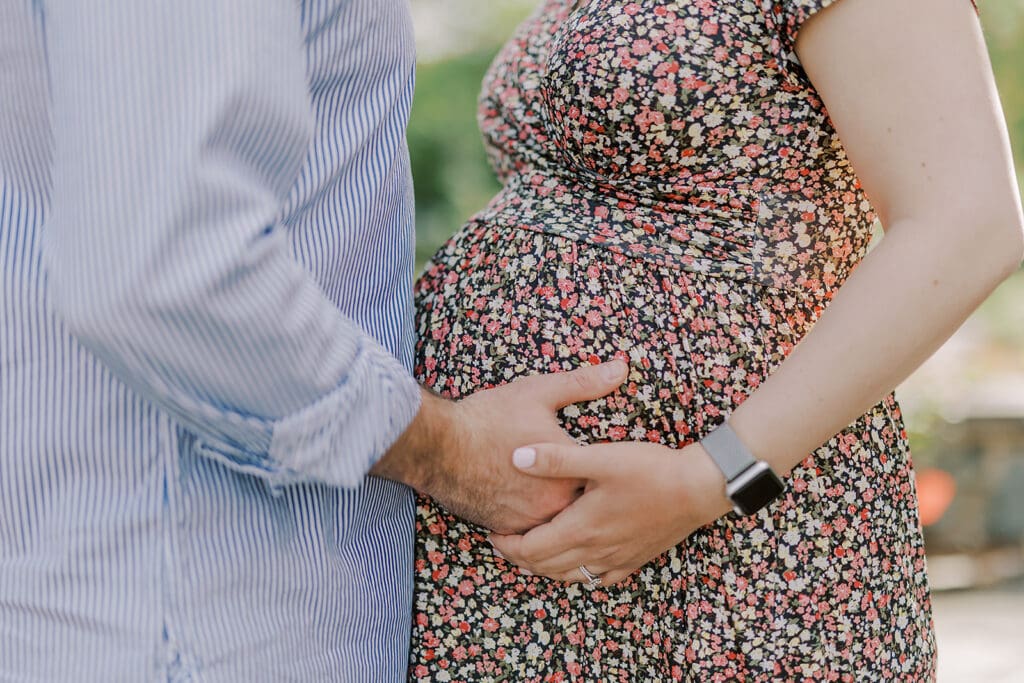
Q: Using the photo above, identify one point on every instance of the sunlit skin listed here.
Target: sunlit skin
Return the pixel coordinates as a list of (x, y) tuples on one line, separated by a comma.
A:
[(456, 452), (910, 91)]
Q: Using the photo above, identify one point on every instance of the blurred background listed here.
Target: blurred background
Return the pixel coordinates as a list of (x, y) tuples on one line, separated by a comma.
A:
[(964, 408)]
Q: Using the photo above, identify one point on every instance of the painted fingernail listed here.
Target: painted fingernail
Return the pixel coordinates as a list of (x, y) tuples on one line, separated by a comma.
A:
[(523, 458)]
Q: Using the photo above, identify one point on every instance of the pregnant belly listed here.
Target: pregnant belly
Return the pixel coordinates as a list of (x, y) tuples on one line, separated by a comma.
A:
[(495, 304)]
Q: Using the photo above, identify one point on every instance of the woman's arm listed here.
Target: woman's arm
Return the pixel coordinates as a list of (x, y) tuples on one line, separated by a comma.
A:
[(910, 91), (919, 116)]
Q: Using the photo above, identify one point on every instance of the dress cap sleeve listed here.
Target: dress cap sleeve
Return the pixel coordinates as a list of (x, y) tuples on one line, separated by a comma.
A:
[(784, 18)]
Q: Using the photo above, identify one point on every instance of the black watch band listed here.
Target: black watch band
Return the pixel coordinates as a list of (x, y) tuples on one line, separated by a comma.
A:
[(751, 484)]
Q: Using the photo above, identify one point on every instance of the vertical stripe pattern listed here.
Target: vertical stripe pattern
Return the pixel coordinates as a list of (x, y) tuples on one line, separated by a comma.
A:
[(205, 340)]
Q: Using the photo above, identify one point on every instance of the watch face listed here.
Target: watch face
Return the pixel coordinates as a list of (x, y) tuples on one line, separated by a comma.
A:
[(753, 492)]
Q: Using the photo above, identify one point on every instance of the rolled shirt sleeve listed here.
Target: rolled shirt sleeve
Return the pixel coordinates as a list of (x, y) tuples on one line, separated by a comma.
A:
[(180, 130)]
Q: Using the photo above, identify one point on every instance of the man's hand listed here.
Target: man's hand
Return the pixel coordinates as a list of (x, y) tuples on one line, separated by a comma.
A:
[(458, 453), (640, 500)]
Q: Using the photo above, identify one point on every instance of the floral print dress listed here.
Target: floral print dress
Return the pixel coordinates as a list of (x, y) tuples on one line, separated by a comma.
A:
[(674, 195)]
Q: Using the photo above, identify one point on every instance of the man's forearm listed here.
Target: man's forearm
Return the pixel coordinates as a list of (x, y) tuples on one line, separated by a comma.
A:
[(415, 458)]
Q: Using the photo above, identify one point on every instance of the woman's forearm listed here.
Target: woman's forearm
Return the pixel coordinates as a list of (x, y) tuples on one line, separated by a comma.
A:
[(931, 150), (906, 298)]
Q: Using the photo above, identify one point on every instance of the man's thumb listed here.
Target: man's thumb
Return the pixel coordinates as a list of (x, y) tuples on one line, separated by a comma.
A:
[(586, 383)]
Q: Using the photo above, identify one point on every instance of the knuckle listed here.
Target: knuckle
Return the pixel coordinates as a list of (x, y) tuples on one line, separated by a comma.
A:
[(554, 461), (528, 556), (582, 379), (582, 535)]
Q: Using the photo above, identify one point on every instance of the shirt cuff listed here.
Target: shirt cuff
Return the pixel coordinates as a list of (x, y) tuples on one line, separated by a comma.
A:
[(338, 439)]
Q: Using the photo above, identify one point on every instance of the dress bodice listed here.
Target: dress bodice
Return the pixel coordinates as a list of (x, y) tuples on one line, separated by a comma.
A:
[(683, 131)]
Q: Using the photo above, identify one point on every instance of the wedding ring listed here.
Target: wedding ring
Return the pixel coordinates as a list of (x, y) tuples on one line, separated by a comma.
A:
[(593, 580)]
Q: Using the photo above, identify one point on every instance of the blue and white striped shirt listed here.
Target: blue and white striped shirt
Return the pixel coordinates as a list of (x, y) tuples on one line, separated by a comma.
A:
[(205, 339)]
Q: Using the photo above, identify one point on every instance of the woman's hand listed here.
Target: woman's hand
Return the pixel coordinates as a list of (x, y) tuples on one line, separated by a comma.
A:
[(640, 500), (458, 452)]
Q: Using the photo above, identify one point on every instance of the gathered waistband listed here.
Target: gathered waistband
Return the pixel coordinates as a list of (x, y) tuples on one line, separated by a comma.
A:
[(716, 229)]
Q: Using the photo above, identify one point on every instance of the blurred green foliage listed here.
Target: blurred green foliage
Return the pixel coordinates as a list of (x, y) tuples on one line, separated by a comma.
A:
[(1004, 32), (452, 177)]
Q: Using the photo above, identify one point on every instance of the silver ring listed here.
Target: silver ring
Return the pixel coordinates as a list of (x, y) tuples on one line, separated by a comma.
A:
[(593, 580)]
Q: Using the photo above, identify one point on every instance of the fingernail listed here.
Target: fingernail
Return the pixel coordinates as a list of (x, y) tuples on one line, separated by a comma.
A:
[(526, 572), (523, 458), (614, 370)]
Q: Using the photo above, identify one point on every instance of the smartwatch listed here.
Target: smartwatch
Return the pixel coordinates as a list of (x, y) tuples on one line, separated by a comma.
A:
[(751, 484)]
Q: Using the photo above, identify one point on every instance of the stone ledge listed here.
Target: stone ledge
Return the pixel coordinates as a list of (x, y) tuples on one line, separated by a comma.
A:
[(957, 571)]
